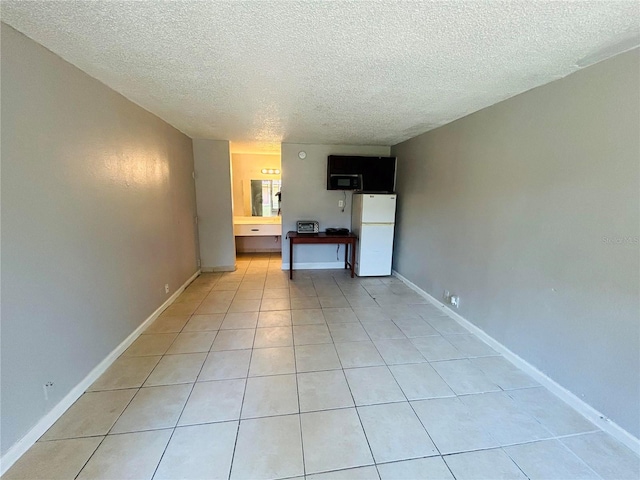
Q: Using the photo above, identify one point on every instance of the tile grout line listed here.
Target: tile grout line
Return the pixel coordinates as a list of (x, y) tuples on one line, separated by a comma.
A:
[(295, 367), (410, 405), (110, 428), (513, 460), (246, 382), (355, 407), (173, 431)]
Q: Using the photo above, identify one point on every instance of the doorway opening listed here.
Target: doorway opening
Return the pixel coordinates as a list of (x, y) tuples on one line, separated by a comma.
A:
[(256, 186)]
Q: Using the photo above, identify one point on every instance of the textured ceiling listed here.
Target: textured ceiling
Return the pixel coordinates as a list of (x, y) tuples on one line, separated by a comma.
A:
[(346, 72)]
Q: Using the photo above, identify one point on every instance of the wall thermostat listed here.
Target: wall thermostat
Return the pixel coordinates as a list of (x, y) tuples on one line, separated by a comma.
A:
[(302, 155)]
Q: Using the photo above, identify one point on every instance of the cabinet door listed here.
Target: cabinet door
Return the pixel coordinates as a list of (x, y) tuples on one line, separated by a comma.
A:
[(378, 208), (375, 250)]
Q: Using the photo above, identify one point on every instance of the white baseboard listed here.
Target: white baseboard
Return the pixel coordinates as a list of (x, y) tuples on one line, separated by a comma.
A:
[(21, 446), (314, 266), (586, 410)]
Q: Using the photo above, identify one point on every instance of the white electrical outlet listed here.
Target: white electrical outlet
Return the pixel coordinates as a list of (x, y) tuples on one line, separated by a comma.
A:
[(166, 288), (46, 388), (341, 203), (455, 301), (445, 296)]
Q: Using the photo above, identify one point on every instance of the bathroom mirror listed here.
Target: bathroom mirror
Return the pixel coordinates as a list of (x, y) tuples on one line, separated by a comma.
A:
[(265, 198)]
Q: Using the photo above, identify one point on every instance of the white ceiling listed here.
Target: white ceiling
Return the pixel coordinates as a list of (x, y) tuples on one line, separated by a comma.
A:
[(345, 72)]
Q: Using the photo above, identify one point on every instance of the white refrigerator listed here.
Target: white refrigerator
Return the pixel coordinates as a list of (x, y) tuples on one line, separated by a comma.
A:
[(373, 217)]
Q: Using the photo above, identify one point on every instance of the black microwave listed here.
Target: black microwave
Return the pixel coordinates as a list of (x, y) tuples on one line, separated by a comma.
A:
[(344, 181)]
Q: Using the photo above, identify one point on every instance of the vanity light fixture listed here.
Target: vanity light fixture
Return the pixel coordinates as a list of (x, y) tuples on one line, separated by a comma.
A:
[(270, 171)]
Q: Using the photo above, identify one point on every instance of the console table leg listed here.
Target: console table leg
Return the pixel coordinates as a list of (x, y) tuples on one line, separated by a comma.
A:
[(346, 255), (290, 258), (353, 257)]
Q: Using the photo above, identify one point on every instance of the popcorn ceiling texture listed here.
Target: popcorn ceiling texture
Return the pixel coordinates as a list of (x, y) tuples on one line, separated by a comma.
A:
[(341, 72)]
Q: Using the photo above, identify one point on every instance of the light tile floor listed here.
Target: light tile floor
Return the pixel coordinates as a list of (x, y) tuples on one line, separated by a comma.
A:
[(250, 376)]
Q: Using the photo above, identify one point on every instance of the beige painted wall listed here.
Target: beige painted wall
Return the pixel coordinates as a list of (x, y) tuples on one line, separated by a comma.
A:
[(213, 190), (98, 209), (305, 197), (529, 210), (246, 167)]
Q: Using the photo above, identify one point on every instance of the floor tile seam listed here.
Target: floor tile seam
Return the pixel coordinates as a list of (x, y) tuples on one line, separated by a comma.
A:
[(138, 389), (358, 414), (412, 459), (512, 460), (526, 442), (436, 372), (410, 406), (244, 393), (471, 356), (483, 449), (199, 351), (390, 372), (90, 457), (355, 405), (459, 395), (526, 387), (384, 365), (181, 293), (207, 290), (562, 437), (191, 391), (344, 376), (173, 383), (246, 419), (334, 470), (492, 436), (64, 439), (376, 464), (218, 351), (245, 280), (367, 333), (126, 388), (468, 359), (526, 414), (575, 455), (115, 435), (467, 411), (184, 406), (131, 399), (295, 368), (425, 429)]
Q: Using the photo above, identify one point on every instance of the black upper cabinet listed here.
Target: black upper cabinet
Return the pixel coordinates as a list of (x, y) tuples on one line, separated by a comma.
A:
[(377, 174)]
